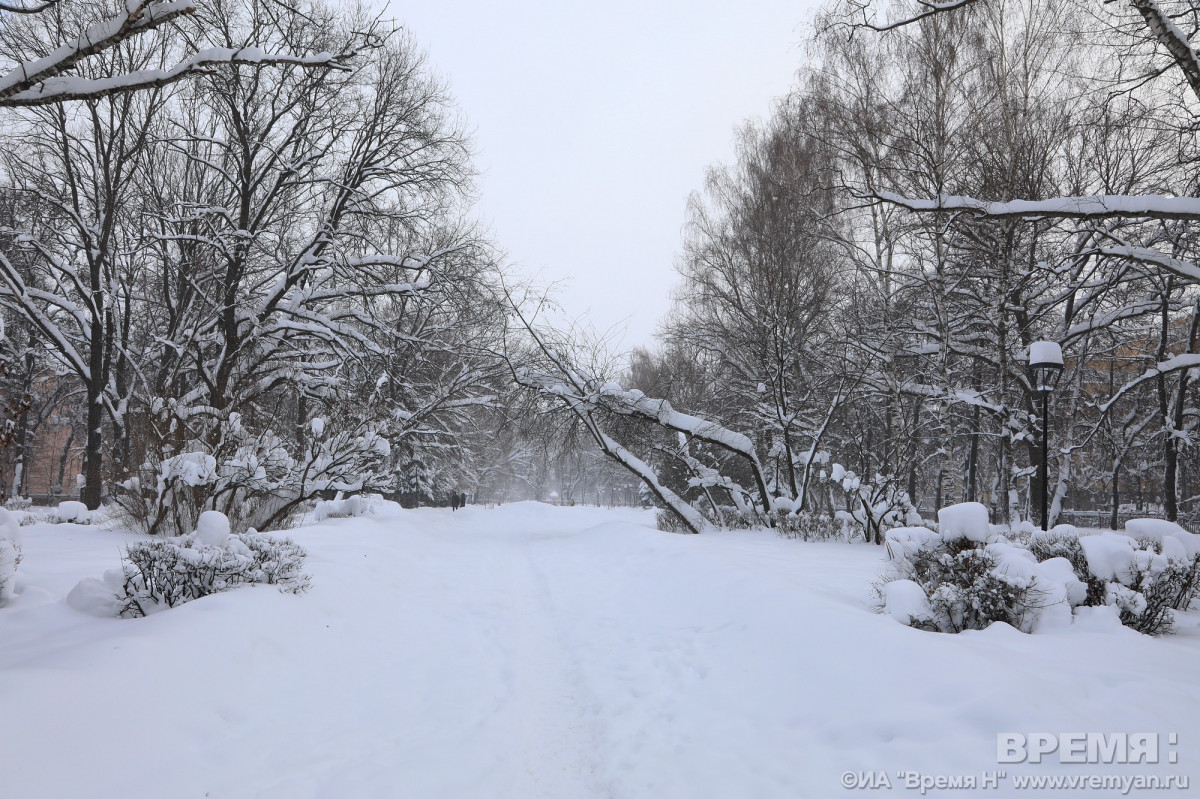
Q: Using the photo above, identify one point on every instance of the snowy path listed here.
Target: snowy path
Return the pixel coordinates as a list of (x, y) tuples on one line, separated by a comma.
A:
[(539, 652)]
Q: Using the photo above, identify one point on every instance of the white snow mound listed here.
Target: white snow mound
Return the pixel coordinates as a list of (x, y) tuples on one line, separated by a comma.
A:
[(905, 600), (903, 542), (212, 529), (1161, 531), (72, 511), (1110, 556), (98, 597), (967, 520)]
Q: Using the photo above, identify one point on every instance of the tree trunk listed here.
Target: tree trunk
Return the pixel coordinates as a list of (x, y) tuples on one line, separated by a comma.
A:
[(1116, 495)]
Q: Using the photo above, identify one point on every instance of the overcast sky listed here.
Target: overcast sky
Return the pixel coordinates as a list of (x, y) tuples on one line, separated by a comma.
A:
[(593, 122)]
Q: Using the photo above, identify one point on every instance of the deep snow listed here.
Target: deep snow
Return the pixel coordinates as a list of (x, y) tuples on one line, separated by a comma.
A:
[(531, 651)]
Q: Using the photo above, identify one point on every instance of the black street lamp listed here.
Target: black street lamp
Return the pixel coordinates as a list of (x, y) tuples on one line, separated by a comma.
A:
[(1045, 368)]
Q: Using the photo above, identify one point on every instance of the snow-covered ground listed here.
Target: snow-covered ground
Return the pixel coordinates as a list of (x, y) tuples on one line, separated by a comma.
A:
[(530, 651)]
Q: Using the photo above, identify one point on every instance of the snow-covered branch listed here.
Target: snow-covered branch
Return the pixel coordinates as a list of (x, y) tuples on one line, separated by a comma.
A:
[(1094, 207)]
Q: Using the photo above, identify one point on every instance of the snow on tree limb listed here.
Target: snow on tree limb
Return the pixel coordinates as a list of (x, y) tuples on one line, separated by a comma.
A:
[(1175, 364), (140, 16), (1185, 269), (1168, 34), (633, 403), (41, 81), (60, 89), (9, 8), (1149, 206)]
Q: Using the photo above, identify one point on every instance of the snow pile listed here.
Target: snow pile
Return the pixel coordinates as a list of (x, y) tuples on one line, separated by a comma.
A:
[(350, 507), (161, 574), (1169, 534), (212, 529), (906, 602), (1045, 352), (10, 553), (904, 542), (1061, 573), (1110, 556), (967, 520), (99, 597), (10, 528), (74, 512)]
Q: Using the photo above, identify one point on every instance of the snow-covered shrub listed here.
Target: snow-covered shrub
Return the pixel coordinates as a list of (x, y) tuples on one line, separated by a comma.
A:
[(10, 553), (967, 584), (1060, 542), (968, 589), (18, 503), (1146, 580), (1162, 592), (730, 518), (903, 543), (668, 522), (71, 512), (969, 575), (1170, 539), (807, 526), (876, 506), (169, 572), (257, 481), (804, 526), (339, 508)]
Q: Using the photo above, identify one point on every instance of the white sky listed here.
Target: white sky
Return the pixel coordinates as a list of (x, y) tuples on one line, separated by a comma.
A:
[(593, 122)]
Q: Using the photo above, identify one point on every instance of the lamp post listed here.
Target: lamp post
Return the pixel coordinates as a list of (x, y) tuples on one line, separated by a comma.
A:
[(1045, 368)]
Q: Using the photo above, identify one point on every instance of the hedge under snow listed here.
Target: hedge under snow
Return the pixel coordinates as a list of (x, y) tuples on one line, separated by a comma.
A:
[(160, 574), (969, 575)]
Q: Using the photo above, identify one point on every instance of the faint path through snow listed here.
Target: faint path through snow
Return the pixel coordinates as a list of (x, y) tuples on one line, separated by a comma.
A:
[(530, 651)]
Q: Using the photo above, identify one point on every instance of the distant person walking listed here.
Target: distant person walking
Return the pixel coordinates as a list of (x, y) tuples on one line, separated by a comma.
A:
[(454, 501)]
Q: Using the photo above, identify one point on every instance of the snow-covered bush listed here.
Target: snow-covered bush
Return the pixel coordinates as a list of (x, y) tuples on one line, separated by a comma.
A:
[(1156, 593), (10, 553), (71, 512), (165, 573), (347, 508), (876, 506), (255, 480), (1146, 579), (968, 577), (1060, 542), (18, 503), (669, 522), (966, 584), (804, 526), (807, 526)]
